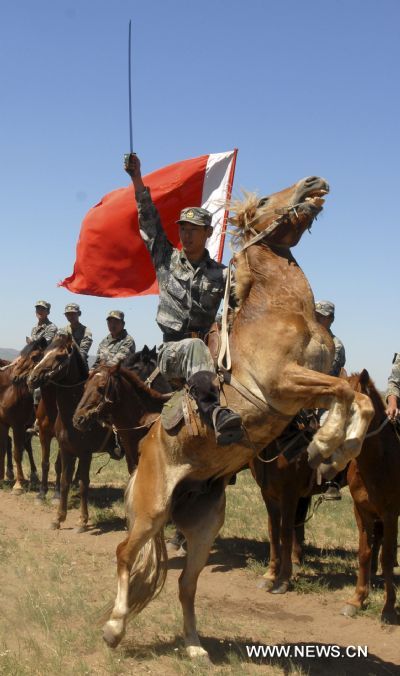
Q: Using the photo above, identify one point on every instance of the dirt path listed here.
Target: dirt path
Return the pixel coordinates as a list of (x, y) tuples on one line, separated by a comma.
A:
[(70, 576)]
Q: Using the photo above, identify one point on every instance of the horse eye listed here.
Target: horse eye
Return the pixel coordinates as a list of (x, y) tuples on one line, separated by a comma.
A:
[(262, 202)]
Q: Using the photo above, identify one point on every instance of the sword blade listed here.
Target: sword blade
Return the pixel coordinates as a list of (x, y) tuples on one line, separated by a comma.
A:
[(130, 88)]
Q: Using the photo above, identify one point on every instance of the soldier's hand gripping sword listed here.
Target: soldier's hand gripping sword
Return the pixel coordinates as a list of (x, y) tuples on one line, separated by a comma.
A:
[(131, 154)]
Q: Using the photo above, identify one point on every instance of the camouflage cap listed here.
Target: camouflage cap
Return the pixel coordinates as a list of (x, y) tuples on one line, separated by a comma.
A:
[(325, 308), (116, 314), (43, 303), (72, 307), (195, 215)]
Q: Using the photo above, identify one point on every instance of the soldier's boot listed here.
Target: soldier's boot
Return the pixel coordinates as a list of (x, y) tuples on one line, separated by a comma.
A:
[(34, 430), (227, 424)]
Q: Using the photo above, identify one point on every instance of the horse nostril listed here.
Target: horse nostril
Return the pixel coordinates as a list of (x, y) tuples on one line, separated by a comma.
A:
[(311, 179)]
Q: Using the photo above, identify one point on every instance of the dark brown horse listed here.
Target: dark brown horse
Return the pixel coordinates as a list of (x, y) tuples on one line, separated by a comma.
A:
[(17, 413), (46, 412), (63, 367), (115, 396), (374, 482)]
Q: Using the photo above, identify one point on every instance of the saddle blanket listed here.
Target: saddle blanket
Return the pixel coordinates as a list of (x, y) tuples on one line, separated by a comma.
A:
[(180, 407)]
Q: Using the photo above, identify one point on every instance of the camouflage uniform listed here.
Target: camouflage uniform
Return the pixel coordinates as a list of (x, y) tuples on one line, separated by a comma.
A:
[(114, 350), (394, 378), (82, 336), (339, 359), (45, 330), (189, 295)]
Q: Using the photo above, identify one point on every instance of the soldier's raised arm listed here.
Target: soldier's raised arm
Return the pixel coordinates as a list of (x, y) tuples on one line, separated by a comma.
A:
[(150, 226)]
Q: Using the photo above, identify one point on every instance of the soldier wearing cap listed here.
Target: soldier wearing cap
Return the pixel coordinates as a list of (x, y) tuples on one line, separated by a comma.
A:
[(393, 389), (118, 344), (44, 328), (191, 287), (82, 336), (325, 313)]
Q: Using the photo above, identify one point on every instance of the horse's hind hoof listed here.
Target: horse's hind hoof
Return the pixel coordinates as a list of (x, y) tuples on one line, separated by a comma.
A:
[(17, 490), (81, 529), (196, 652), (265, 583), (40, 498), (55, 525), (349, 610), (281, 588), (111, 636)]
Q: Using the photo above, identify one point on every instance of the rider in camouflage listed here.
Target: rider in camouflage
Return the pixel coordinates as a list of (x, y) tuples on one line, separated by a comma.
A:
[(115, 347), (191, 287), (81, 335)]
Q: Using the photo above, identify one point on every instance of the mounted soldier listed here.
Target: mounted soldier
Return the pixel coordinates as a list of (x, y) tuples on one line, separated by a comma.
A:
[(118, 344), (393, 389), (44, 327), (81, 335), (191, 287), (325, 313)]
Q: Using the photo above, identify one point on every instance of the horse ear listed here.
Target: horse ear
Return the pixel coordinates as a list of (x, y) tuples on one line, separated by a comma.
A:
[(364, 377), (153, 352), (145, 351)]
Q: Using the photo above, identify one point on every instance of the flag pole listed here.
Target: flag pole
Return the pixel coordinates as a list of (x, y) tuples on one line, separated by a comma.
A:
[(228, 199), (130, 86)]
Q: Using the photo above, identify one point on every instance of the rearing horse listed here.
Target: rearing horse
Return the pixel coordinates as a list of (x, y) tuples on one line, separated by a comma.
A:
[(277, 349)]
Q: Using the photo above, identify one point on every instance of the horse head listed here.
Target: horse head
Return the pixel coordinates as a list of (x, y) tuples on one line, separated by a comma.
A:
[(99, 397), (29, 356), (144, 364), (54, 363), (282, 216), (362, 382)]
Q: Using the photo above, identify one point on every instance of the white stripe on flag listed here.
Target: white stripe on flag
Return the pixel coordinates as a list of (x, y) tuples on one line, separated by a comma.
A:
[(215, 192)]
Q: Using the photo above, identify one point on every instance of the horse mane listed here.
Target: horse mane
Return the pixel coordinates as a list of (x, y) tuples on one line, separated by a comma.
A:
[(244, 211), (147, 395)]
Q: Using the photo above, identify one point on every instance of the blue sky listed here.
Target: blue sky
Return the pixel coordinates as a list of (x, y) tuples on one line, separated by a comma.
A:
[(301, 89)]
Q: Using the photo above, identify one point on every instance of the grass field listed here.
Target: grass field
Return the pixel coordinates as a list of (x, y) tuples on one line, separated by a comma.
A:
[(54, 585)]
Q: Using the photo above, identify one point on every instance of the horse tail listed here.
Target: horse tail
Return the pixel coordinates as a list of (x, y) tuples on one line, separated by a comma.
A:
[(149, 571)]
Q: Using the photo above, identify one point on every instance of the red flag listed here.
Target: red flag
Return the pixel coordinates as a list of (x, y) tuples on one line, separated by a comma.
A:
[(111, 258)]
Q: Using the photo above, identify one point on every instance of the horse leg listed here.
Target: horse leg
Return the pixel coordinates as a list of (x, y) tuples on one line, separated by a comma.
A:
[(10, 469), (365, 530), (274, 523), (67, 469), (389, 614), (376, 545), (299, 531), (57, 486), (45, 437), (140, 578), (5, 450), (83, 471), (288, 504), (205, 521), (33, 479), (19, 437)]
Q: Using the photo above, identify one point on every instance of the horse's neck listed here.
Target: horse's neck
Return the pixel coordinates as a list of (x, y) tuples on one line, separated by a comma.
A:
[(69, 390)]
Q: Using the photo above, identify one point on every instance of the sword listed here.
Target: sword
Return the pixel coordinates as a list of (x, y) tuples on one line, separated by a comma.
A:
[(127, 156)]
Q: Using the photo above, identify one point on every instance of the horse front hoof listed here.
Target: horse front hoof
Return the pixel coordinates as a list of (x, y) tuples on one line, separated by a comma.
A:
[(111, 634), (196, 652), (389, 617), (296, 570), (17, 490), (81, 528), (265, 583), (55, 525), (40, 498), (281, 588), (349, 610)]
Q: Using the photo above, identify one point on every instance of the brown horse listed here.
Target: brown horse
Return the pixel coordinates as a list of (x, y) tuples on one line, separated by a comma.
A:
[(115, 396), (63, 367), (16, 411), (374, 482), (275, 341), (46, 412)]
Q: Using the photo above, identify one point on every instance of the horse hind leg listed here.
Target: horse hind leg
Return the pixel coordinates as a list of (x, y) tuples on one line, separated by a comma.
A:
[(142, 557), (389, 614), (200, 524), (10, 469)]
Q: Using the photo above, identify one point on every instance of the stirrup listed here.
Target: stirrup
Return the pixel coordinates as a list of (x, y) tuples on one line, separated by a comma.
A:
[(332, 492)]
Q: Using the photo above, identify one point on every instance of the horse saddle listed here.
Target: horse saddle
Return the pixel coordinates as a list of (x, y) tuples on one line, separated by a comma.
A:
[(181, 407)]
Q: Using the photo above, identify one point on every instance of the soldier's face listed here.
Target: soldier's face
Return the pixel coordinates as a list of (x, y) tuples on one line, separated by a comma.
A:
[(41, 312), (115, 326), (326, 321), (72, 317), (193, 239)]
